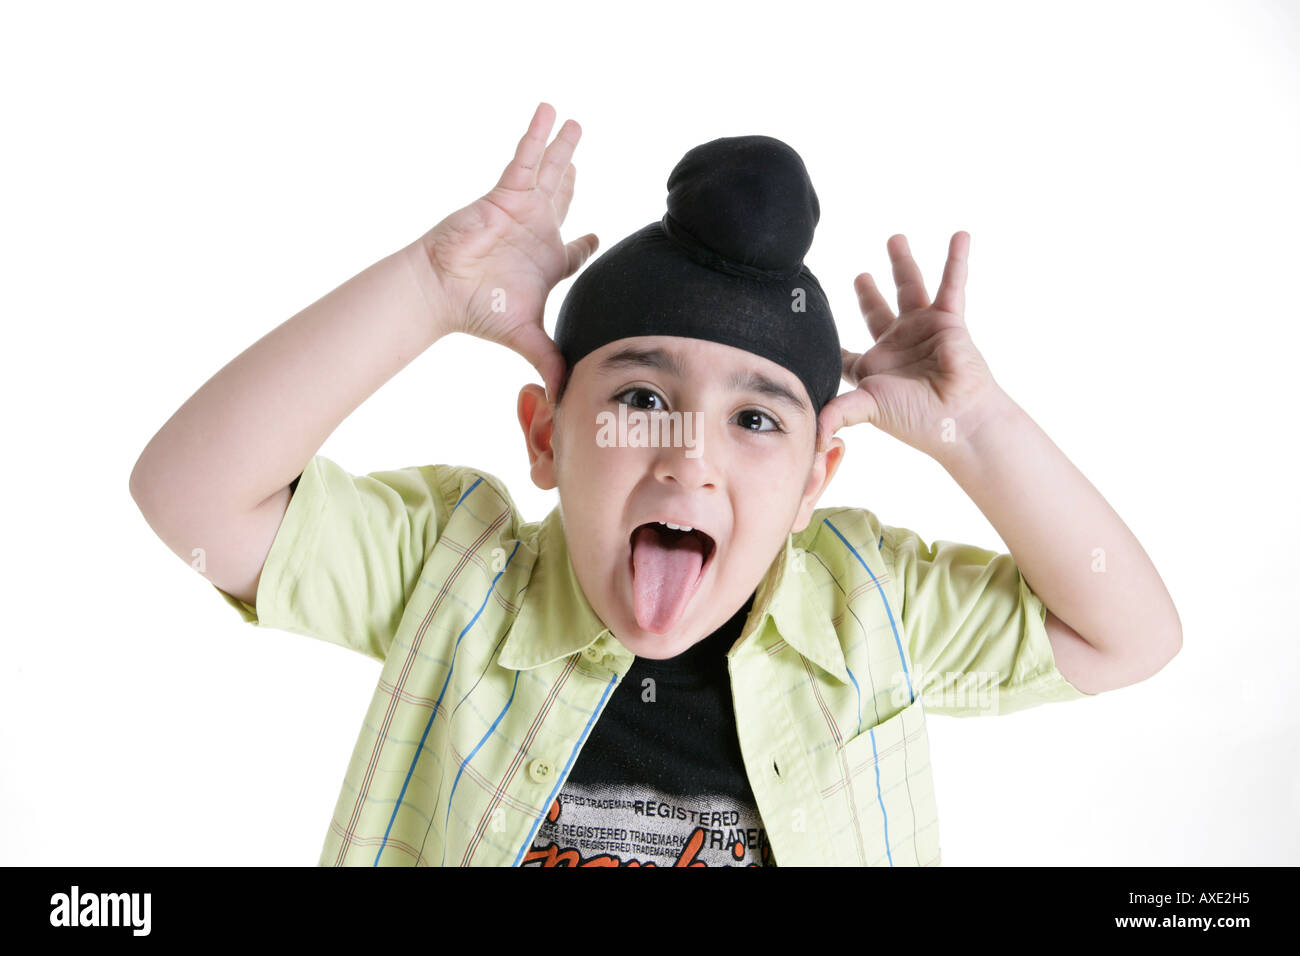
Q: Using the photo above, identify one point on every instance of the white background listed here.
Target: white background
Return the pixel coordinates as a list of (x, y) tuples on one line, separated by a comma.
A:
[(179, 179)]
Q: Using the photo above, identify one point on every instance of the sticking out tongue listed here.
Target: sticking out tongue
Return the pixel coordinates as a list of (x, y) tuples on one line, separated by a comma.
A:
[(665, 572)]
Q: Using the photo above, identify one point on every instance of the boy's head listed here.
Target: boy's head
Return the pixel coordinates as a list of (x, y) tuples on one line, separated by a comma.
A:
[(700, 352)]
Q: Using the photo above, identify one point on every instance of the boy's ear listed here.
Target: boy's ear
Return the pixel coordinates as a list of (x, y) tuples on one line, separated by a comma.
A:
[(537, 419), (824, 466)]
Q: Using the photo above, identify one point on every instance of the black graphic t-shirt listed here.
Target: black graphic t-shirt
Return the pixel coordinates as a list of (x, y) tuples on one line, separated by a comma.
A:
[(660, 781)]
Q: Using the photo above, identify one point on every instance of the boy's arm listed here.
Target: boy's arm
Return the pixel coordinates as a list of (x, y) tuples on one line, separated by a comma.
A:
[(1072, 549), (926, 384), (216, 476)]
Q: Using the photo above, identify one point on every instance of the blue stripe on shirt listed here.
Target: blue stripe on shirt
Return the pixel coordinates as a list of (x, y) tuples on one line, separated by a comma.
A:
[(911, 695), (438, 703), (572, 756)]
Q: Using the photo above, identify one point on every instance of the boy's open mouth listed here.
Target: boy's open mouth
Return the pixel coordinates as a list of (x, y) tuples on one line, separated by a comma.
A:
[(666, 565)]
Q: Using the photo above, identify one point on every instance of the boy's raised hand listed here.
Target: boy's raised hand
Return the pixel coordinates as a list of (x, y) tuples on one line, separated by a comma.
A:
[(496, 260), (923, 382)]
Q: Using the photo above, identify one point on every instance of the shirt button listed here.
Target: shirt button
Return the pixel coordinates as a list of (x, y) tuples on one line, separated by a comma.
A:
[(593, 653), (539, 770)]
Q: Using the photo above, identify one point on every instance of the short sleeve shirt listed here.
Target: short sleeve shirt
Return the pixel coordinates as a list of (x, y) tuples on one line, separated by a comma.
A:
[(496, 668)]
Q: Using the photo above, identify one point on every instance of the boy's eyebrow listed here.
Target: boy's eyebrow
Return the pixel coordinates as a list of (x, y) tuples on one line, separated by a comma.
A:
[(758, 382), (750, 380)]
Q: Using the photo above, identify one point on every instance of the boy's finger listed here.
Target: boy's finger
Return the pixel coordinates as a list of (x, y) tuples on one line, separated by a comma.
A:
[(564, 195), (873, 305), (847, 361), (951, 296), (907, 276), (557, 156), (521, 172)]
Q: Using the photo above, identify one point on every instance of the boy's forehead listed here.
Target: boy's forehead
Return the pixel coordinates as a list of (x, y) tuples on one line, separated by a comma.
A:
[(683, 356)]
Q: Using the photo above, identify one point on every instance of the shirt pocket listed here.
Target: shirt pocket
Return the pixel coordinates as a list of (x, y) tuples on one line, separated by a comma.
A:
[(881, 800)]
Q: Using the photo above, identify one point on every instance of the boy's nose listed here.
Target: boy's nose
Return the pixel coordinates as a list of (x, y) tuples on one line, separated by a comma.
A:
[(687, 459)]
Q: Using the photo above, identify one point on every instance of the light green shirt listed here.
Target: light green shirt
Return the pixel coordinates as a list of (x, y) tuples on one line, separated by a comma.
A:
[(496, 668)]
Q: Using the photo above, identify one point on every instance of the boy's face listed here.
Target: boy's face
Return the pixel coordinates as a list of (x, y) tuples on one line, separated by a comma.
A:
[(731, 474)]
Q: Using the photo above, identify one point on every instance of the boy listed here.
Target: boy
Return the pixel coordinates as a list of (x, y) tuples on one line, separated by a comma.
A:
[(685, 663)]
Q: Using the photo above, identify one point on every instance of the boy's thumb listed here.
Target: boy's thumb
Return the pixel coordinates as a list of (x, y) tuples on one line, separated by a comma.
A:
[(579, 251), (553, 368), (542, 353)]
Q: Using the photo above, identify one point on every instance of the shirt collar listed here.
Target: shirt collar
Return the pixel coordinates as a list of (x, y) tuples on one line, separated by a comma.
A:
[(787, 594), (556, 619)]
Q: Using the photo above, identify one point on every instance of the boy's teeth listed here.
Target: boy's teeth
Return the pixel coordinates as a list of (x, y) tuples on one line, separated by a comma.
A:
[(677, 527)]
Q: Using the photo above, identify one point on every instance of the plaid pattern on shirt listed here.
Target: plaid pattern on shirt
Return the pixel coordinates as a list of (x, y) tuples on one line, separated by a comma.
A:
[(496, 668)]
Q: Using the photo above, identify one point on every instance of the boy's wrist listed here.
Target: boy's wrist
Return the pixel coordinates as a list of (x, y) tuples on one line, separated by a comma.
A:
[(980, 433), (439, 317)]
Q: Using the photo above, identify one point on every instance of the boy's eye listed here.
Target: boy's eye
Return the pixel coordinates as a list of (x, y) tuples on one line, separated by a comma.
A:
[(753, 414), (641, 391), (747, 418)]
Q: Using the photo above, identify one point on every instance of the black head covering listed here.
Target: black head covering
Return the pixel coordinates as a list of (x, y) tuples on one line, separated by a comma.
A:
[(725, 263)]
